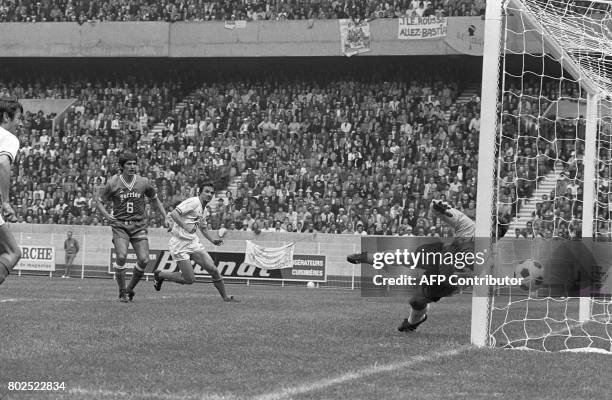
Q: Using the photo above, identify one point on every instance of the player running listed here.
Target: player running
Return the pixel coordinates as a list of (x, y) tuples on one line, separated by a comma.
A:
[(464, 229), (12, 120), (127, 192), (185, 245)]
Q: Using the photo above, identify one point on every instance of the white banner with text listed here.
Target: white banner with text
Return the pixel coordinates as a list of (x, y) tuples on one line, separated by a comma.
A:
[(418, 28), (36, 258)]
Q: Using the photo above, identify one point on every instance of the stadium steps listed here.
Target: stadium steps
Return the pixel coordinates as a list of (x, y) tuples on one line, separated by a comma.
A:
[(471, 89), (544, 187), (160, 126), (232, 187)]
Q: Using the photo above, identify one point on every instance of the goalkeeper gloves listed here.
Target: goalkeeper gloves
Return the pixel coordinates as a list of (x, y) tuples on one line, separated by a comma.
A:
[(441, 207)]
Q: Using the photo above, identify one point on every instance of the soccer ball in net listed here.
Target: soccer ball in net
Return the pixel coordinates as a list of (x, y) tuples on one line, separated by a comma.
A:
[(532, 273)]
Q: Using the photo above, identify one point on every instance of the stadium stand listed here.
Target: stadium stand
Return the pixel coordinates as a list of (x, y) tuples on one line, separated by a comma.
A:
[(542, 176), (59, 169), (340, 154), (358, 148), (191, 10)]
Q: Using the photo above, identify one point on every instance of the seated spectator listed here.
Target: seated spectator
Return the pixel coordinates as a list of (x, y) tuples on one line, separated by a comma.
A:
[(285, 141), (275, 10)]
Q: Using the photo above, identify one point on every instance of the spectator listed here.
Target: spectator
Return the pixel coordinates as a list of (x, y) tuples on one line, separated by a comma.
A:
[(307, 172), (71, 248), (175, 10)]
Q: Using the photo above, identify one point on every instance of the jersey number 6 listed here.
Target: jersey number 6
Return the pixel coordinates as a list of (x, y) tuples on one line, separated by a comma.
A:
[(130, 207)]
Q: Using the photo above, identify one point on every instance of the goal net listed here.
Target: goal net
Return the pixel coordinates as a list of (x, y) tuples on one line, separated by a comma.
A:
[(547, 84)]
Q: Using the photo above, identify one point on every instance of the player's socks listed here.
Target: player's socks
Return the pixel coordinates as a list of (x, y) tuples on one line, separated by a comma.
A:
[(120, 277), (136, 277), (172, 276), (220, 286), (416, 315)]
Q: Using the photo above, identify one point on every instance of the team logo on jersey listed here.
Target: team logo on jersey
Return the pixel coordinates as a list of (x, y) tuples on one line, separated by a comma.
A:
[(123, 195)]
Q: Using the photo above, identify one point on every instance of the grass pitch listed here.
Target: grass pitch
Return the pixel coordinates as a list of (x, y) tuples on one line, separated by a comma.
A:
[(184, 343)]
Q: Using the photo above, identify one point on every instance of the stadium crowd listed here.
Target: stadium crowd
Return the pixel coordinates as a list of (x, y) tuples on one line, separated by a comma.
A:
[(63, 158), (537, 142), (197, 10), (345, 151), (340, 151), (342, 155)]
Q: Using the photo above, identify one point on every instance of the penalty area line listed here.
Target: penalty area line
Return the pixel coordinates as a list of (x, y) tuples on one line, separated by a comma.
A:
[(287, 393)]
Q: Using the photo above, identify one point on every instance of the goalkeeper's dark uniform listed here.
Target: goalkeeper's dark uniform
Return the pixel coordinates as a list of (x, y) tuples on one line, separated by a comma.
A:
[(464, 229)]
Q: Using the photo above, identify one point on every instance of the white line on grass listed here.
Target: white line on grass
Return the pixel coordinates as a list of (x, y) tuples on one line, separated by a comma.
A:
[(99, 393), (98, 300), (16, 300), (359, 374)]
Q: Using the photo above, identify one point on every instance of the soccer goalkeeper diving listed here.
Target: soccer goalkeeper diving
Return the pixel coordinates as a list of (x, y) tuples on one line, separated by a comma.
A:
[(464, 229)]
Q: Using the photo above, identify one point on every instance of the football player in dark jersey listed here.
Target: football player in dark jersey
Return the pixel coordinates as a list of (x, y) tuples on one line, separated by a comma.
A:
[(127, 192)]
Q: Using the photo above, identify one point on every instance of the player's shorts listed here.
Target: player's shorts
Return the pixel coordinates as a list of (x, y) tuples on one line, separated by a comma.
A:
[(438, 291), (181, 249), (2, 222), (129, 230)]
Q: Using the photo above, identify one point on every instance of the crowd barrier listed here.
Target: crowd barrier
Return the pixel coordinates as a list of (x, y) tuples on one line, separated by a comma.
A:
[(94, 257)]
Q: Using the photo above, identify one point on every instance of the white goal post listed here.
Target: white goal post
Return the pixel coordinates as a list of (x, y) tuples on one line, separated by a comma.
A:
[(485, 199), (542, 58)]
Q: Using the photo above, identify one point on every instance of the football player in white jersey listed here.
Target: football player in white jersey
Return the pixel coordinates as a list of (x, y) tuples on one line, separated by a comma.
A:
[(11, 113), (185, 245)]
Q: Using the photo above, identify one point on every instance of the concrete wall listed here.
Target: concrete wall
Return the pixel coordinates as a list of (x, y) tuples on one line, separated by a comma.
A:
[(291, 38), (69, 39), (212, 39)]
